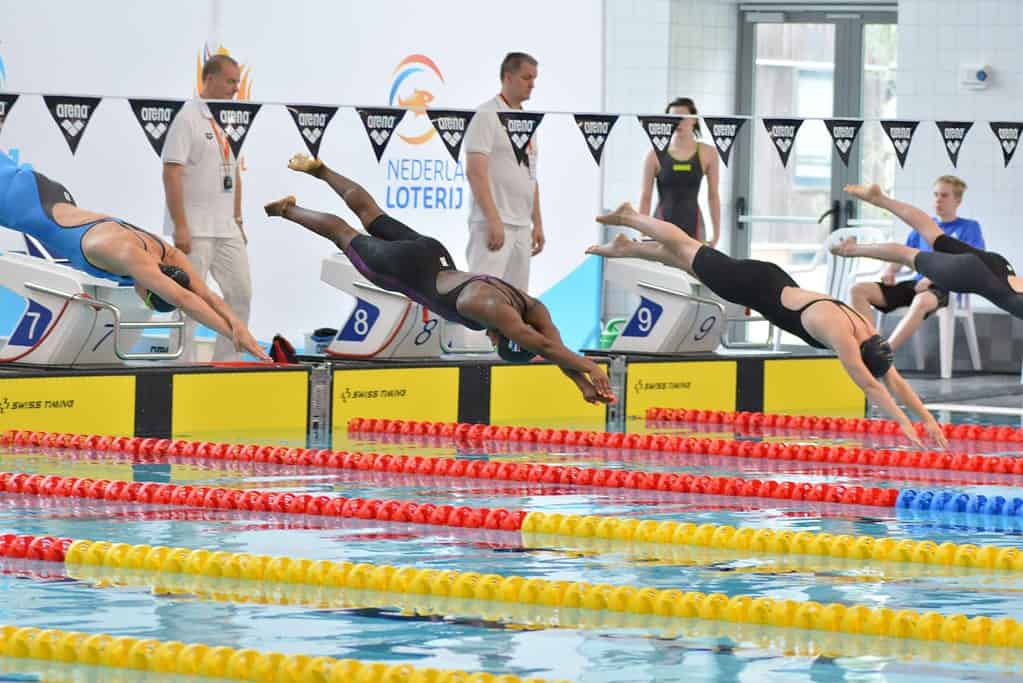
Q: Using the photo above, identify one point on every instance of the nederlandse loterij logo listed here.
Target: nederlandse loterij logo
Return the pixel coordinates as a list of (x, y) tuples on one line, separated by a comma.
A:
[(412, 85)]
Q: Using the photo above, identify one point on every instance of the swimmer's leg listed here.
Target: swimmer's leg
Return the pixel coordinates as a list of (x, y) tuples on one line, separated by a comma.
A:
[(678, 248), (908, 214), (355, 195), (326, 225)]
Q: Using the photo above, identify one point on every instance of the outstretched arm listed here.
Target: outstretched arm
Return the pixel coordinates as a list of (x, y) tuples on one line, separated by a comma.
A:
[(900, 387), (849, 355), (506, 320), (540, 319)]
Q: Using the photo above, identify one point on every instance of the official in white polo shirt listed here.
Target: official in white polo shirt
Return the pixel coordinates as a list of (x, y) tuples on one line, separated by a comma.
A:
[(505, 227), (204, 194)]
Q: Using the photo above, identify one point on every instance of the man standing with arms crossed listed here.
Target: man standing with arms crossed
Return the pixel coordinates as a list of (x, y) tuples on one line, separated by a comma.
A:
[(204, 194), (505, 226)]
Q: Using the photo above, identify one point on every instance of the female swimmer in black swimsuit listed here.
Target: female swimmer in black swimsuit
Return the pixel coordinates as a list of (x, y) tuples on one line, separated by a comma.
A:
[(817, 319), (953, 265), (397, 258)]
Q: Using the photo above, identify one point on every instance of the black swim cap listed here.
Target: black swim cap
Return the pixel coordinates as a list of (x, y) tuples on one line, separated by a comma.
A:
[(154, 300), (512, 352), (877, 355)]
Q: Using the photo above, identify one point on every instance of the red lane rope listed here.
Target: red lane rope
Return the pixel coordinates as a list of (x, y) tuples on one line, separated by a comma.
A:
[(753, 422)]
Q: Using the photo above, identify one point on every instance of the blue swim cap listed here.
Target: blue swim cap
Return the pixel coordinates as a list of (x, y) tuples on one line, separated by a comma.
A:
[(154, 300), (877, 355), (512, 352)]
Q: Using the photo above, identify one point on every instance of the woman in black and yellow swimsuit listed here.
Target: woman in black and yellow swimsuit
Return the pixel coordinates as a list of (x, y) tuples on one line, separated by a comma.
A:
[(816, 318), (678, 172)]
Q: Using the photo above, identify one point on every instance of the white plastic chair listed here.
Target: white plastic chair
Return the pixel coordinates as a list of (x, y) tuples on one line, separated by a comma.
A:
[(842, 273), (959, 308)]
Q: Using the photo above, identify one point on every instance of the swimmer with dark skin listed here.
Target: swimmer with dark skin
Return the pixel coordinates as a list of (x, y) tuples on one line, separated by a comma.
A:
[(396, 258), (766, 288)]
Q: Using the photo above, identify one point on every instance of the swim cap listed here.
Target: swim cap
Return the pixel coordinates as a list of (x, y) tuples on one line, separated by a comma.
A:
[(512, 352), (157, 303), (877, 355)]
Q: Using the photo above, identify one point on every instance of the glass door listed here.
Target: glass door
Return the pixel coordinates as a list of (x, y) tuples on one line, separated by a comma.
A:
[(810, 65)]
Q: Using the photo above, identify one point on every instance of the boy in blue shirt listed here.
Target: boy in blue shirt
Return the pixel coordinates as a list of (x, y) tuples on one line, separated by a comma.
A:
[(918, 293)]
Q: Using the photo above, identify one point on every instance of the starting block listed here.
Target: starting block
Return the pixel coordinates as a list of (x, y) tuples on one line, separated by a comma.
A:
[(383, 324), (73, 319), (668, 318)]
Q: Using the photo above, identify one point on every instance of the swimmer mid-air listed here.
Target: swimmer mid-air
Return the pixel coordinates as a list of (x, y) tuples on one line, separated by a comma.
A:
[(397, 258), (817, 319), (111, 248), (953, 265)]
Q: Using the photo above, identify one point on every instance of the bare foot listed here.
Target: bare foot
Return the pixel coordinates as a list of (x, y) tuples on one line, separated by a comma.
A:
[(617, 248), (280, 206), (871, 194), (619, 216), (305, 164), (845, 247)]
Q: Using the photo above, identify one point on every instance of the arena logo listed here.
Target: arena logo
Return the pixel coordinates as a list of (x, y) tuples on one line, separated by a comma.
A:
[(9, 406), (843, 134), (659, 129), (783, 134), (901, 135), (953, 133), (417, 181), (520, 127), (723, 132), (155, 117), (311, 122), (1008, 134), (350, 394), (72, 115)]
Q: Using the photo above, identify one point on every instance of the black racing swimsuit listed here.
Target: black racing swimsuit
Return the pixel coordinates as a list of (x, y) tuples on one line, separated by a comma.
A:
[(397, 258), (678, 189), (757, 285), (957, 267)]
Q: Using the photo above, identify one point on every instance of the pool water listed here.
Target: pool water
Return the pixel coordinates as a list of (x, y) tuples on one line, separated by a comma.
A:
[(499, 638)]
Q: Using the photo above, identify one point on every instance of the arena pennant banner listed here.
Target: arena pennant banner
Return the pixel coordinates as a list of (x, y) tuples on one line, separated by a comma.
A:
[(380, 123), (901, 135), (520, 126), (723, 131), (235, 120), (843, 134), (595, 129), (783, 134), (659, 129), (952, 134), (451, 125), (7, 101), (72, 116), (312, 122), (155, 117), (1008, 133)]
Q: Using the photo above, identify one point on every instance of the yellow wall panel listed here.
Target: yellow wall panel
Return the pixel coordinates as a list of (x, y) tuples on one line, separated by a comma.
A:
[(241, 407), (540, 395), (708, 385), (395, 393), (811, 386), (89, 405)]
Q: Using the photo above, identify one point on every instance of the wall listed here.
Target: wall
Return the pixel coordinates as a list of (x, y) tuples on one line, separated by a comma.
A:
[(115, 170)]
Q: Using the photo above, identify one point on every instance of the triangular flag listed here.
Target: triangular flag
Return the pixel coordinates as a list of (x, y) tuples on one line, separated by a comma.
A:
[(312, 122), (380, 123), (595, 129), (843, 134), (1008, 133), (783, 134), (155, 117), (723, 131), (451, 125), (901, 135), (72, 115), (952, 134), (520, 126), (7, 101), (659, 129), (235, 120)]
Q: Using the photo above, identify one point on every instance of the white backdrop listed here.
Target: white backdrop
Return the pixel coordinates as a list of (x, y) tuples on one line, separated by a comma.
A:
[(305, 52)]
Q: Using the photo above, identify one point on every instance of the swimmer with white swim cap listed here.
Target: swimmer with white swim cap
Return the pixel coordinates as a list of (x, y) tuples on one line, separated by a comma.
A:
[(113, 249), (397, 258)]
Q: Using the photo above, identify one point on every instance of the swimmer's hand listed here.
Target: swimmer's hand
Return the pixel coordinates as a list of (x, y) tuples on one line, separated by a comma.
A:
[(934, 431), (910, 432), (244, 341), (602, 385)]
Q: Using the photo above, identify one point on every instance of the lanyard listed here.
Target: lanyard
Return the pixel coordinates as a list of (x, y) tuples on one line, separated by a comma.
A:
[(225, 149)]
